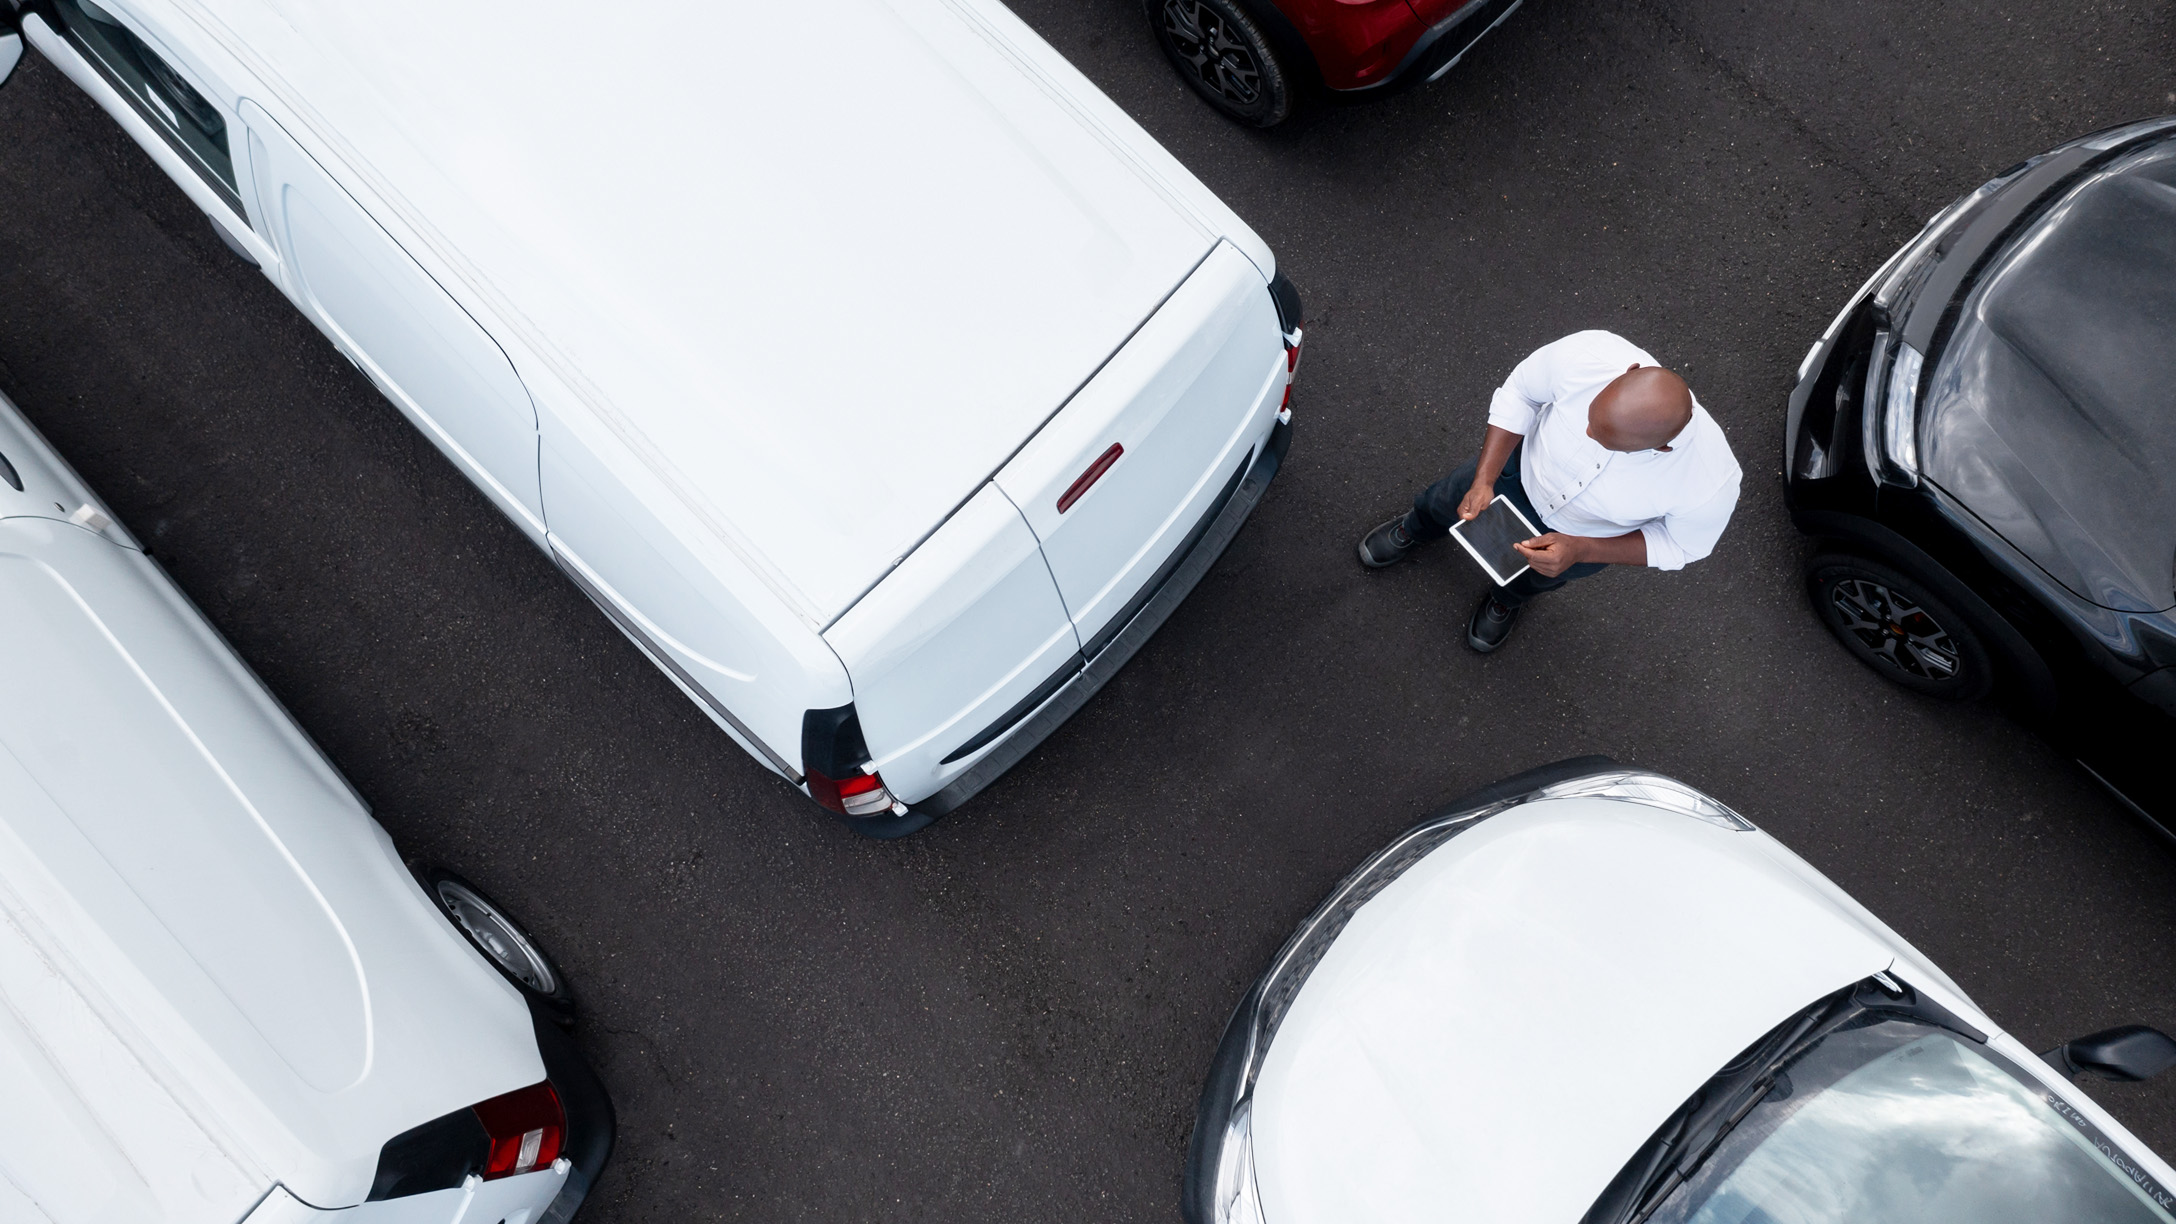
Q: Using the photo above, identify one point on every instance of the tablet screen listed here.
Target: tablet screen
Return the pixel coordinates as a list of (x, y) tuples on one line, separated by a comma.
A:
[(1489, 535)]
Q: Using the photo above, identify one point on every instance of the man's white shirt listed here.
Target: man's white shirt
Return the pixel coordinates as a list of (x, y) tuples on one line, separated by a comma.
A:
[(1680, 499)]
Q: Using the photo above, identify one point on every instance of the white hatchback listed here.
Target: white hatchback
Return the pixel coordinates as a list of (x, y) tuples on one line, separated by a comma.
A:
[(1595, 995), (222, 995), (887, 407)]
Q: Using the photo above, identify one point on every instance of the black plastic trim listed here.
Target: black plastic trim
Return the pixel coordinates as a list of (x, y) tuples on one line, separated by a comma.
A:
[(1201, 552), (831, 742), (1020, 709), (592, 1123), (9, 474), (1287, 297), (438, 1155)]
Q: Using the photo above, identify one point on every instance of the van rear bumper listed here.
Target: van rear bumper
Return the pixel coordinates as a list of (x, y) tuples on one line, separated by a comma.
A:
[(591, 1123), (1157, 601)]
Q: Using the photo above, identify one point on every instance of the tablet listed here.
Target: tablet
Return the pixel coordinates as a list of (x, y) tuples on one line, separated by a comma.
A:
[(1489, 535)]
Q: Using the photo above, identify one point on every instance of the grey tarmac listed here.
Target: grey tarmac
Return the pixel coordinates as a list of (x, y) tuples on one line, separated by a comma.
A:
[(1007, 1017)]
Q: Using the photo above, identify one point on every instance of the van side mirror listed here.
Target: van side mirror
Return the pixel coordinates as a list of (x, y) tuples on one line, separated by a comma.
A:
[(2127, 1052)]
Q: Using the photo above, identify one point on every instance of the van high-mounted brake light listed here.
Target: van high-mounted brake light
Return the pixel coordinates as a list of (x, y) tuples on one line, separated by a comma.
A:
[(1081, 483)]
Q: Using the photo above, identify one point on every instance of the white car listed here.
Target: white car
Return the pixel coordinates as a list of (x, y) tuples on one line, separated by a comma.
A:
[(222, 995), (1591, 995), (888, 407)]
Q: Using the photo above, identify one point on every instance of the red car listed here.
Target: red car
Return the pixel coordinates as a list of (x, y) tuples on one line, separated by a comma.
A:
[(1255, 59)]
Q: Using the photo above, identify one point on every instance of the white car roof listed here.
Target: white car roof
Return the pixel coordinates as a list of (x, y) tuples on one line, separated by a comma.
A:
[(1495, 1034), (824, 268)]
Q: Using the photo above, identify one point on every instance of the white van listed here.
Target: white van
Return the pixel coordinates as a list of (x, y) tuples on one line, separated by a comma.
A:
[(222, 995), (887, 405)]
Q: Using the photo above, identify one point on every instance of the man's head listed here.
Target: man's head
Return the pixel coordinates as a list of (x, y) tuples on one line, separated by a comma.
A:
[(1641, 409)]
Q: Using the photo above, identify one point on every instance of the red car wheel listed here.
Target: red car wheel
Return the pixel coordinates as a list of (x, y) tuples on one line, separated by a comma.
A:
[(1224, 55)]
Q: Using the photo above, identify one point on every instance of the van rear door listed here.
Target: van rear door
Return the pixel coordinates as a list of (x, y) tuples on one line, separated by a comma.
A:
[(1116, 483), (955, 646)]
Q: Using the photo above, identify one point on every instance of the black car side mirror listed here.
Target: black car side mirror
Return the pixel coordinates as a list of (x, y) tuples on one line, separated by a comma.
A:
[(2127, 1052)]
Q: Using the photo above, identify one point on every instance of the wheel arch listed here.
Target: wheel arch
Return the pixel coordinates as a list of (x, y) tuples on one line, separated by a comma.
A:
[(2022, 660), (1298, 57)]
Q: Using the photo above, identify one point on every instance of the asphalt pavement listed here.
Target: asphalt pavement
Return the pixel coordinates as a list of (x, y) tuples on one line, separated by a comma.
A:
[(1007, 1017)]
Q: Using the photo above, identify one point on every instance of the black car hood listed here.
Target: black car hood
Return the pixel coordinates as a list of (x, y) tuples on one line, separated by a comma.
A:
[(2052, 413)]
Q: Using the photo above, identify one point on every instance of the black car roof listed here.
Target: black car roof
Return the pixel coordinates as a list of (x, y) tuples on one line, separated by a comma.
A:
[(2052, 412)]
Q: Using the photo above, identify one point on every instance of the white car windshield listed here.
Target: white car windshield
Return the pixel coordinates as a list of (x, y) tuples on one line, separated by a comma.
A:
[(1901, 1122)]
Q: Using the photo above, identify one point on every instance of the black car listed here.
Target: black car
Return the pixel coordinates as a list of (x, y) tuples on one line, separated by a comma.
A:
[(1985, 444)]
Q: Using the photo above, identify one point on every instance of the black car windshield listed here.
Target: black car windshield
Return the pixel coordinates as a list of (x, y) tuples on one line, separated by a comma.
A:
[(1901, 1122)]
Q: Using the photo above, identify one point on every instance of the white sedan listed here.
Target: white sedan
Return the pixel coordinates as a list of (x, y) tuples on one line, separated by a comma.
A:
[(1597, 995)]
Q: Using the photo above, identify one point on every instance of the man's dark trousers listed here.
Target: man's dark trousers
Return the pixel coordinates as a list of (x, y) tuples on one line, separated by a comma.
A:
[(1435, 508)]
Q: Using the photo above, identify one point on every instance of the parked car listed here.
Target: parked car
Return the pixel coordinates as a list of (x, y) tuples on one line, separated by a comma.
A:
[(1596, 994), (222, 994), (1985, 442), (1260, 60), (888, 423)]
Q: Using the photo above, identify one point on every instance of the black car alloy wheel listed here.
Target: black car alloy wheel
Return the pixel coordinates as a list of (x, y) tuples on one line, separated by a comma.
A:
[(1223, 54), (1893, 623)]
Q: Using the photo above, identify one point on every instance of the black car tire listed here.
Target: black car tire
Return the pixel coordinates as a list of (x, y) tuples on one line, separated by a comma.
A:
[(1221, 51), (519, 958), (1899, 627)]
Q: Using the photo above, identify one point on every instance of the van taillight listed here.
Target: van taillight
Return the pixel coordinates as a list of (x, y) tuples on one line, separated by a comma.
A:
[(1291, 371), (519, 1132), (860, 795), (527, 1129)]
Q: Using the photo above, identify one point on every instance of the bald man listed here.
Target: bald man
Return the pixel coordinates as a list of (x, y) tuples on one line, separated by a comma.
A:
[(1603, 448)]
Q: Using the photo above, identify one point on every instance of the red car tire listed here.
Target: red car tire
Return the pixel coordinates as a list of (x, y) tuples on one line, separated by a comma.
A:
[(1222, 52)]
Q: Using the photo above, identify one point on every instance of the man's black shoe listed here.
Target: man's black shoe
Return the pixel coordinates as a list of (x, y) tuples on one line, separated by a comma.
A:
[(1490, 624), (1386, 545)]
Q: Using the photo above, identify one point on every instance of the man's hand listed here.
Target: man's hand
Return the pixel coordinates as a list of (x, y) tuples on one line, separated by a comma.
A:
[(1476, 500), (1551, 554)]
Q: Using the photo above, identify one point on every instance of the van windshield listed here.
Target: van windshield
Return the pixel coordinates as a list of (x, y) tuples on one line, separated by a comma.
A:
[(1900, 1123)]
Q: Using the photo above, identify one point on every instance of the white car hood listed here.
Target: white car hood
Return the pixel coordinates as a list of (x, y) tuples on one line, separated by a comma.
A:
[(1495, 1034)]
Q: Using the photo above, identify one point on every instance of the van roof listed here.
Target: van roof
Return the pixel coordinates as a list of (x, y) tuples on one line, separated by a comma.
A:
[(824, 270), (176, 858)]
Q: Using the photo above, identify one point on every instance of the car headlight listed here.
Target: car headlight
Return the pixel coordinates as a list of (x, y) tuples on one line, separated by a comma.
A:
[(1237, 1200), (1652, 790), (1900, 412)]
